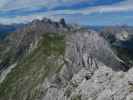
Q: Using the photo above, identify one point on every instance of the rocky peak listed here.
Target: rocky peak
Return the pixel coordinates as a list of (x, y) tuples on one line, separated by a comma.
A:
[(35, 30), (62, 22)]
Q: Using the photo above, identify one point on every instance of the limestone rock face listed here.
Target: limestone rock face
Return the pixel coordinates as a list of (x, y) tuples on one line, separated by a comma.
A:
[(92, 71), (85, 46), (104, 84)]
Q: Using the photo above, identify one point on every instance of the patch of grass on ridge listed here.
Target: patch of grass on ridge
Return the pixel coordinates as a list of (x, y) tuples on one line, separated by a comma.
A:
[(21, 83)]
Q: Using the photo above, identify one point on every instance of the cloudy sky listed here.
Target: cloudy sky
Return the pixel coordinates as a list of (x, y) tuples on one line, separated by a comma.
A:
[(85, 12)]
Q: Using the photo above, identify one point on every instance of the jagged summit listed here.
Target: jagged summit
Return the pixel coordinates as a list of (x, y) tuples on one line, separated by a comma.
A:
[(34, 30), (19, 42)]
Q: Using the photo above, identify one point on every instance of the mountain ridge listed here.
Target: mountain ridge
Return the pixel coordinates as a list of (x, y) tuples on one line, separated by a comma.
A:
[(55, 61)]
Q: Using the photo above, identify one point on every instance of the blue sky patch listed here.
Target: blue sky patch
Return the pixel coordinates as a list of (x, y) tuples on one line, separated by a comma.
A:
[(87, 12)]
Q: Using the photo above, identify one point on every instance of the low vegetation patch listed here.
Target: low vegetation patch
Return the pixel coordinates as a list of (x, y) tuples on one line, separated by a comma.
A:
[(22, 82)]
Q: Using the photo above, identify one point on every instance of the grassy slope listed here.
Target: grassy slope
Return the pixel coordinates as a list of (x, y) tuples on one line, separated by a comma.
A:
[(22, 83)]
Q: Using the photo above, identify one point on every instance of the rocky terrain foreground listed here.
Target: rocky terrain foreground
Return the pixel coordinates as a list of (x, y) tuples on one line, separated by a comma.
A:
[(48, 60)]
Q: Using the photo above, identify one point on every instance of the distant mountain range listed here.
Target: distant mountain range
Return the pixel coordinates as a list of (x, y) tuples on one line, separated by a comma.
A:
[(115, 27), (5, 29)]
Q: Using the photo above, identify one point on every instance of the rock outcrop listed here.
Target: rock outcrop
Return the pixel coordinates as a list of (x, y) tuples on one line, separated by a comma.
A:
[(92, 71)]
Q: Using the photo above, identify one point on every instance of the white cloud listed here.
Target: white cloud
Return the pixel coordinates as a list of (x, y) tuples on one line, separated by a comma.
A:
[(107, 9), (29, 18), (6, 5)]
